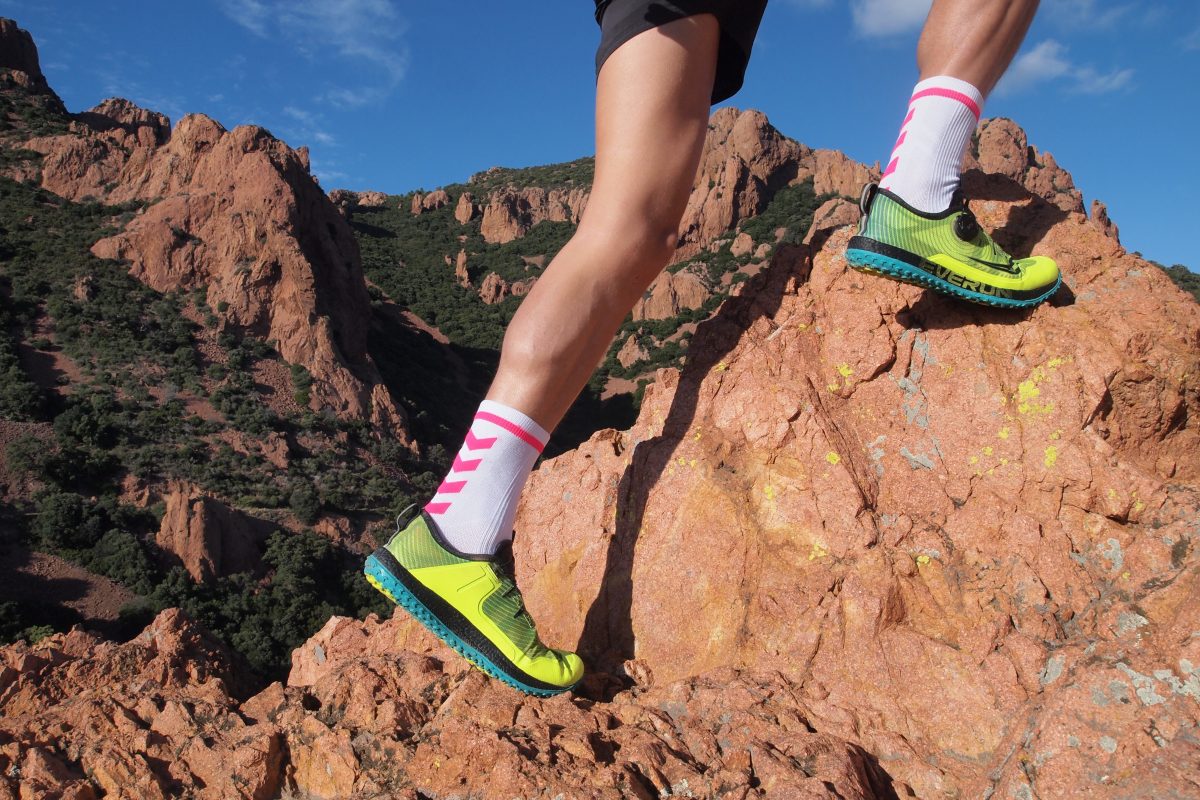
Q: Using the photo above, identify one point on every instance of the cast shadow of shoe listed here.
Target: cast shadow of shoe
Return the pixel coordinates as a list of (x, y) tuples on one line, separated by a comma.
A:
[(607, 640), (1027, 224)]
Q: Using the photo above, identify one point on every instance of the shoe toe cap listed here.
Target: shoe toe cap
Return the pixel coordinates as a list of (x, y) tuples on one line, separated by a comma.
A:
[(572, 667), (1039, 271)]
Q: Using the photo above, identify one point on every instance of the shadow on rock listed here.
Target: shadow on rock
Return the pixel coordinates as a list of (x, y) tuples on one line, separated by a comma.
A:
[(607, 640)]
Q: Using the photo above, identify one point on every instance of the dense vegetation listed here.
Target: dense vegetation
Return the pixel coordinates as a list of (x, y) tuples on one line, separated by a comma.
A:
[(1184, 278), (125, 416)]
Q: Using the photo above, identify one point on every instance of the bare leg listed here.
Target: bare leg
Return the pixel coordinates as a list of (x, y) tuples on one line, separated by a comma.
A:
[(652, 103), (973, 40)]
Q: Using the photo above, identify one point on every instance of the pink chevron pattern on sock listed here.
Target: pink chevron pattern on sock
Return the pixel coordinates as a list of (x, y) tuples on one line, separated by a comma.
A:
[(474, 442), (471, 444), (476, 503)]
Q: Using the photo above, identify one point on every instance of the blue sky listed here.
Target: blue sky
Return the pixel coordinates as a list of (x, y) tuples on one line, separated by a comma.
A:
[(401, 94)]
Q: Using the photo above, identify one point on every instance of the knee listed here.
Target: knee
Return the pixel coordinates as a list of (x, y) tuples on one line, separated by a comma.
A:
[(638, 242)]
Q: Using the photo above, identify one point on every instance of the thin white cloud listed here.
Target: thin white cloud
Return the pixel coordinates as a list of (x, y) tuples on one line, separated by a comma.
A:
[(877, 19), (1192, 40), (308, 129), (882, 18), (1082, 14), (366, 31), (1049, 61)]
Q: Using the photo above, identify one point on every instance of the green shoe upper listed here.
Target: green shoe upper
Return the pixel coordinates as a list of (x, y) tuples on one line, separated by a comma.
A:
[(483, 592), (951, 246)]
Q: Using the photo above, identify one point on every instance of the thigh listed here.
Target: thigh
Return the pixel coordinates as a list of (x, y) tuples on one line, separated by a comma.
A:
[(652, 104)]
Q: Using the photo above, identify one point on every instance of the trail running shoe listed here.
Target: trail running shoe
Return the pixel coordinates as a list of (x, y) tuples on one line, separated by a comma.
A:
[(473, 604), (946, 252)]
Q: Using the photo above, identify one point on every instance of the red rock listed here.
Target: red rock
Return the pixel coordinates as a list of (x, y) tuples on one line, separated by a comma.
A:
[(239, 213), (522, 288), (460, 270), (742, 245), (833, 214), (209, 538), (1100, 219), (1001, 148), (863, 473), (19, 54), (510, 213), (465, 210), (671, 293), (631, 352), (428, 202), (493, 289)]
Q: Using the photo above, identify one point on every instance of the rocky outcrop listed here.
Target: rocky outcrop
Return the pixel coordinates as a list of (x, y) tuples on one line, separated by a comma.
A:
[(207, 537), (744, 163), (345, 200), (907, 504), (237, 212), (19, 59), (493, 289), (671, 293), (631, 352), (460, 270), (1100, 219), (510, 213), (1000, 147), (371, 711), (833, 214), (465, 210), (428, 202)]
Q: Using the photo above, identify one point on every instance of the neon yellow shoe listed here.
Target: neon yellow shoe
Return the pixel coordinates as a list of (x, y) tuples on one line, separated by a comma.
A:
[(471, 603), (946, 252)]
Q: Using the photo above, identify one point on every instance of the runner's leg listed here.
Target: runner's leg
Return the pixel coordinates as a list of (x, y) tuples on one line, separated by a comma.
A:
[(965, 47), (652, 103)]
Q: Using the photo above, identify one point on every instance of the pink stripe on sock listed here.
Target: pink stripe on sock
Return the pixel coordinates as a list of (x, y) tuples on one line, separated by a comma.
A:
[(437, 508), (451, 487), (462, 465), (513, 428), (900, 141), (479, 443), (891, 168), (949, 94), (908, 119)]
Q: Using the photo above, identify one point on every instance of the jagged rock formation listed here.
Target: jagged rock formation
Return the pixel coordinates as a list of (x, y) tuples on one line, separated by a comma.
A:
[(631, 352), (428, 202), (670, 293), (465, 210), (238, 212), (363, 715), (510, 213), (493, 289), (345, 200), (745, 161), (209, 538), (909, 505)]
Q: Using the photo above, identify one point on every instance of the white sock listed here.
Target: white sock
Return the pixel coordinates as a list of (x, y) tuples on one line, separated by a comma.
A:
[(925, 164), (477, 502)]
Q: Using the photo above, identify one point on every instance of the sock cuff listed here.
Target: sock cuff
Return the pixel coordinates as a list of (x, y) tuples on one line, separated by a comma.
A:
[(952, 89), (513, 421)]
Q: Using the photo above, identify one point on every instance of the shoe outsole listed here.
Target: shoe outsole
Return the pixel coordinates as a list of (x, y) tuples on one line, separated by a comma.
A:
[(390, 587), (887, 267)]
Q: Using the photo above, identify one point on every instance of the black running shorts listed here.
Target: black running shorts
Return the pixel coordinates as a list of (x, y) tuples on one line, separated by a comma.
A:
[(621, 20)]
